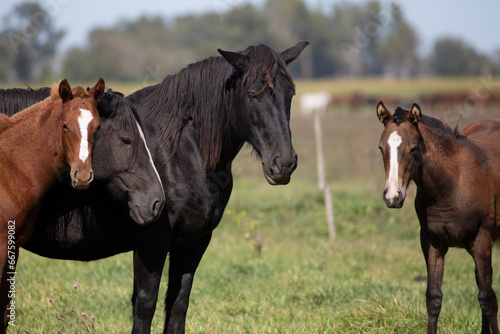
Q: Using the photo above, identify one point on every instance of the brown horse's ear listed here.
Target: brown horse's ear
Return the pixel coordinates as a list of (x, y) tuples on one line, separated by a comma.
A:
[(292, 53), (416, 113), (384, 115), (98, 90), (237, 60), (65, 91)]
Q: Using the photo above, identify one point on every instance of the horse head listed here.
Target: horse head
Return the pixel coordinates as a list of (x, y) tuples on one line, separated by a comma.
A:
[(264, 94), (80, 121), (401, 147), (124, 162)]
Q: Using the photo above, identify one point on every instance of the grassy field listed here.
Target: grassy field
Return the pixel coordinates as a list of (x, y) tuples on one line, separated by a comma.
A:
[(270, 267)]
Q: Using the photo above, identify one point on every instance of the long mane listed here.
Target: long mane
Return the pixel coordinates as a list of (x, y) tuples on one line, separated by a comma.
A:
[(204, 93), (13, 100), (43, 108), (29, 101)]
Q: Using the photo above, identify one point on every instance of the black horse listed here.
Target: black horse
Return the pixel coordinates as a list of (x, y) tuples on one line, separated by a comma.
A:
[(122, 162), (204, 115)]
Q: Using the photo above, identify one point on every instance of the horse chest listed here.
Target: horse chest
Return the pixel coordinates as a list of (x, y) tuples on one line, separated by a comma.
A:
[(195, 210), (452, 228)]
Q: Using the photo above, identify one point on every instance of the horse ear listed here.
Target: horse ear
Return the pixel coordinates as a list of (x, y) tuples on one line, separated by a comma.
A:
[(416, 113), (292, 53), (237, 60), (384, 115), (104, 106), (98, 90), (65, 91)]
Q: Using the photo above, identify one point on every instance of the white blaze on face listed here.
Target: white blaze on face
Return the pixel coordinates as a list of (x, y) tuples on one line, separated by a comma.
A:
[(149, 153), (84, 121), (393, 186)]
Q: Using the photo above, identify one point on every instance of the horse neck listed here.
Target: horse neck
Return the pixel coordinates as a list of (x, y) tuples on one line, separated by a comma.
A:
[(34, 140), (438, 168), (208, 106)]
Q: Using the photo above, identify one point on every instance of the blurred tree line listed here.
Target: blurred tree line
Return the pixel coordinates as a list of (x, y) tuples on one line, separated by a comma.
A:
[(352, 40)]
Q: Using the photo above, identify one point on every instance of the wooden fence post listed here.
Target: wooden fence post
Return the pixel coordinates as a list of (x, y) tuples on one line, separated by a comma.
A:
[(316, 103)]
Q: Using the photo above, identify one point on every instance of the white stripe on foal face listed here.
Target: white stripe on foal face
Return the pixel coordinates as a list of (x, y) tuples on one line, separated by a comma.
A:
[(392, 188), (84, 121), (149, 153)]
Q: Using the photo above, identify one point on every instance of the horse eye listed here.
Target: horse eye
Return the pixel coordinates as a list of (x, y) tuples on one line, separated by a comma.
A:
[(414, 149), (126, 141), (251, 95), (380, 149), (65, 127)]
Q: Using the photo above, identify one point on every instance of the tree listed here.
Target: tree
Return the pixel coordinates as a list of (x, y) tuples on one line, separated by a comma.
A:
[(355, 36), (451, 57), (398, 50), (31, 40)]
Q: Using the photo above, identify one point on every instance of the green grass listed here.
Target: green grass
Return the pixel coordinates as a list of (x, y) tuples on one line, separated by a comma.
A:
[(270, 267)]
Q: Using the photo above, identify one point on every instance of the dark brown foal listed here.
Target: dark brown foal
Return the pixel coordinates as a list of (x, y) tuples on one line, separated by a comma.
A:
[(458, 186)]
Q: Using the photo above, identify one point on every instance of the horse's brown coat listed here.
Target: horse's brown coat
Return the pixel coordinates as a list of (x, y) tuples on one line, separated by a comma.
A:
[(35, 145), (458, 187)]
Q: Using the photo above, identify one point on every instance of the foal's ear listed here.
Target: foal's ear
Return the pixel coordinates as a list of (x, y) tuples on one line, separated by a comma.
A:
[(65, 91), (292, 53), (416, 113), (104, 106), (98, 90), (384, 115), (237, 60)]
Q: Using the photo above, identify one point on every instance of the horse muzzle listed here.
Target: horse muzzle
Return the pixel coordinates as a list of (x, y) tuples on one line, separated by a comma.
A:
[(280, 171), (395, 201), (81, 179), (146, 212)]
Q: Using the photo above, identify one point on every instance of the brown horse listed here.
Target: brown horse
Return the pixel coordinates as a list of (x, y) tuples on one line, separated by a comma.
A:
[(458, 187), (35, 146)]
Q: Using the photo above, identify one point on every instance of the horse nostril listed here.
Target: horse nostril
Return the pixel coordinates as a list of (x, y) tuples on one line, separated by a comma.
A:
[(75, 175), (156, 207), (91, 176)]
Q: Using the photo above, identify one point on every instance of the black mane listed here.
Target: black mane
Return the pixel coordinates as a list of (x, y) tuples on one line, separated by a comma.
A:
[(13, 100), (113, 101), (203, 93)]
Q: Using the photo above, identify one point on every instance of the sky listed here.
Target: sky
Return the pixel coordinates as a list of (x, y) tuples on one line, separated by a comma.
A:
[(476, 22)]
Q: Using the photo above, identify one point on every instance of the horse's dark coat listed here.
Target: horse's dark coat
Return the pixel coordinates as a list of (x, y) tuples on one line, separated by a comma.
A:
[(203, 115)]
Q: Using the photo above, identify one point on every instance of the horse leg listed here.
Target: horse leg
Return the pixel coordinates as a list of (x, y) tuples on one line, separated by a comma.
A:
[(434, 258), (148, 267), (481, 253), (183, 264)]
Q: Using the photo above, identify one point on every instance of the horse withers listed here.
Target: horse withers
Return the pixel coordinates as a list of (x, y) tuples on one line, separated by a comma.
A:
[(458, 185), (35, 146)]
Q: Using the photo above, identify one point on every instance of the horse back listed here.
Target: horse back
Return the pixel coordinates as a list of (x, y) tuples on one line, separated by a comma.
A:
[(483, 130), (484, 135)]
